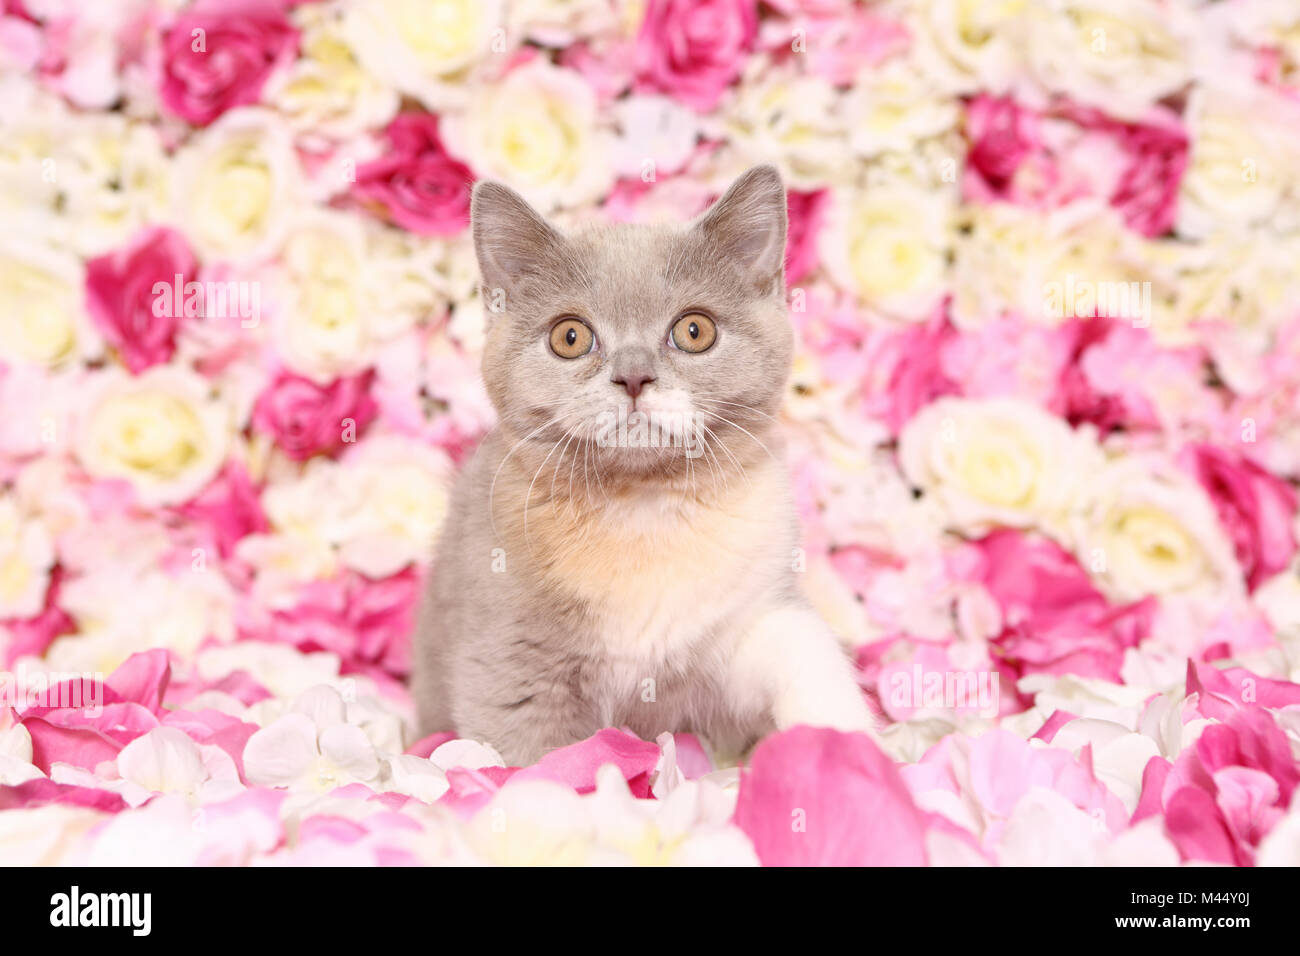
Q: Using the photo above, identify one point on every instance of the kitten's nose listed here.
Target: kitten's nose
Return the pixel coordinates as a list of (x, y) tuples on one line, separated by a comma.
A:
[(633, 368), (633, 381)]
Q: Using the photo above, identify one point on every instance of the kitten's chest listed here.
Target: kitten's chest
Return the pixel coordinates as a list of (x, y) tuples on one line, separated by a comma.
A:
[(656, 576)]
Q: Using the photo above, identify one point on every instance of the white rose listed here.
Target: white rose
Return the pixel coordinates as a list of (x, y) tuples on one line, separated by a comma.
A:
[(323, 329), (1245, 146), (888, 243), (1272, 25), (968, 45), (1023, 262), (120, 611), (893, 106), (424, 48), (1148, 528), (26, 557), (283, 670), (43, 322), (237, 181), (1249, 280), (282, 563), (161, 431), (653, 130), (560, 23), (781, 117), (401, 489), (1120, 55), (998, 462), (326, 92), (16, 766), (401, 279), (537, 130), (116, 178)]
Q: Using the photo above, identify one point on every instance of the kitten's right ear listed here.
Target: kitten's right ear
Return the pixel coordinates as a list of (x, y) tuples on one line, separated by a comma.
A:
[(510, 237)]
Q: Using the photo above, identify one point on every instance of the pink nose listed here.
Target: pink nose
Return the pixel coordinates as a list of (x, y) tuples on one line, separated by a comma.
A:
[(633, 382)]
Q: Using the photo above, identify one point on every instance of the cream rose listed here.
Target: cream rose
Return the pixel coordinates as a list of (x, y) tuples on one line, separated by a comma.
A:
[(161, 431), (379, 509), (791, 120), (888, 243), (1147, 528), (121, 610), (42, 322), (1037, 265), (998, 462), (537, 130), (26, 556), (1245, 145), (424, 47), (237, 181), (401, 493), (893, 106), (326, 92), (116, 178), (970, 44), (560, 23), (1120, 55), (324, 330)]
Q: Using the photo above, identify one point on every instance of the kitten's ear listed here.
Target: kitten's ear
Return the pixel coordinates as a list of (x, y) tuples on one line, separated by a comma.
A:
[(747, 227), (511, 238)]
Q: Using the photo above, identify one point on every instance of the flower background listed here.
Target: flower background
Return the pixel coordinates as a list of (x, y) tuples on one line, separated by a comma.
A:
[(225, 500)]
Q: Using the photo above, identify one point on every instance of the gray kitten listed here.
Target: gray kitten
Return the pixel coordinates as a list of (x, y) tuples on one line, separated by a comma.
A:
[(620, 549)]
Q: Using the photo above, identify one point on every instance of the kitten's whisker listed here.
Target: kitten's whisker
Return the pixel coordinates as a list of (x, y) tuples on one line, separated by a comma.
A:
[(728, 452), (528, 495), (751, 408), (723, 418), (571, 432), (715, 466), (493, 489), (572, 467)]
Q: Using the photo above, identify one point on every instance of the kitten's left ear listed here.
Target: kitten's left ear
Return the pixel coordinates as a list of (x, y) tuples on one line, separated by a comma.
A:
[(747, 226)]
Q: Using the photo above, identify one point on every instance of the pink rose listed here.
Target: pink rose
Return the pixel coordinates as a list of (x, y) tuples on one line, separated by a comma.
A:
[(121, 301), (417, 184), (1147, 193), (307, 419), (1136, 167), (693, 49), (228, 509), (859, 810), (367, 623), (1010, 357), (843, 38), (1255, 507), (32, 635), (1054, 620), (1002, 135), (241, 43), (906, 370), (805, 212), (1225, 792)]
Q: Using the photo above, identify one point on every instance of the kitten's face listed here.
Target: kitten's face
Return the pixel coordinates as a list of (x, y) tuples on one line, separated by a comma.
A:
[(686, 326)]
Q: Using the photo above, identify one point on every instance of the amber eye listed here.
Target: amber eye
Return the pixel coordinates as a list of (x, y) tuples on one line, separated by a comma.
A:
[(694, 332), (570, 339)]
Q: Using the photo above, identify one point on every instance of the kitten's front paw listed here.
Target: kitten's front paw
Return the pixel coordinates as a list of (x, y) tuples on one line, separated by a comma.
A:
[(840, 708)]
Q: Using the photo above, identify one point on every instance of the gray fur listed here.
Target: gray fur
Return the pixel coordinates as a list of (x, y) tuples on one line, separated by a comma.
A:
[(509, 651)]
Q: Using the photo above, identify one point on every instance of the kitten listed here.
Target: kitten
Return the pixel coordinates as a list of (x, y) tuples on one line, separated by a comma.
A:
[(620, 549)]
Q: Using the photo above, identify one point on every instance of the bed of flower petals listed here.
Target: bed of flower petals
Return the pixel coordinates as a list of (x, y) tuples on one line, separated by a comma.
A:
[(1044, 424)]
